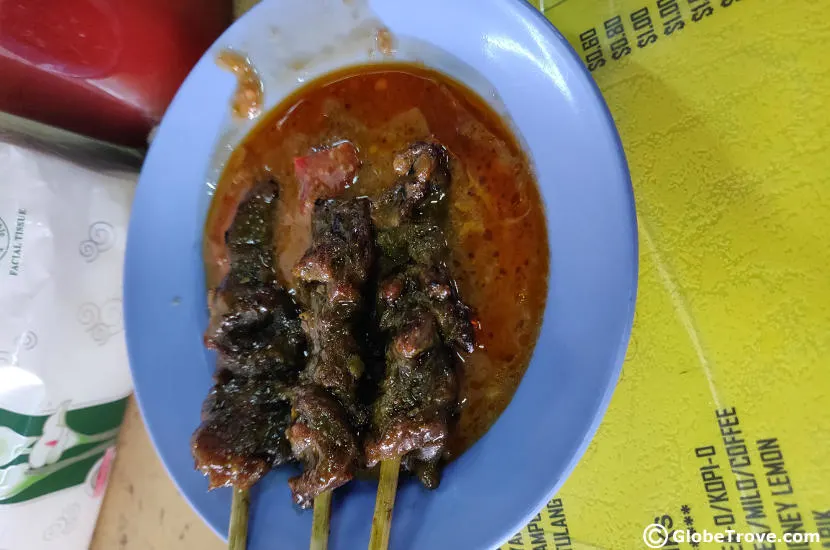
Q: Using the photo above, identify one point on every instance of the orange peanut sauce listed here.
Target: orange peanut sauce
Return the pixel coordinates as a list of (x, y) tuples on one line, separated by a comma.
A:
[(497, 232)]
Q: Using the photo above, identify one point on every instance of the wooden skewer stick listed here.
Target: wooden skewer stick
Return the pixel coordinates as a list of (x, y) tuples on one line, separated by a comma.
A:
[(238, 529), (320, 521), (387, 488)]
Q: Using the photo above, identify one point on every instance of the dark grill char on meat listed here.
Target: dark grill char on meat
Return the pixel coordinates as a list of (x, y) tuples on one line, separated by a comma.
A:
[(265, 409), (420, 315), (332, 279), (255, 329)]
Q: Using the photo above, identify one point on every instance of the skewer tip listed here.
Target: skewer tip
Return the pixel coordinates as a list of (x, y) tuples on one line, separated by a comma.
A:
[(320, 522), (387, 489), (238, 529)]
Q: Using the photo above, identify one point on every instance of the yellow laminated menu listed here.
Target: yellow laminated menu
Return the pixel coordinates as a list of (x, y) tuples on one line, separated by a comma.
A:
[(721, 421)]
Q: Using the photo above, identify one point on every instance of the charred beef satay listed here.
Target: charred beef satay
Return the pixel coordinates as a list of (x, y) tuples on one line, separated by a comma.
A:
[(332, 277), (256, 331), (418, 394), (421, 315), (410, 218)]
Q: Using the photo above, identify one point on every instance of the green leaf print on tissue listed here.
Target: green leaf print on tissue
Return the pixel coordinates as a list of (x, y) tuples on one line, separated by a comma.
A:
[(43, 454)]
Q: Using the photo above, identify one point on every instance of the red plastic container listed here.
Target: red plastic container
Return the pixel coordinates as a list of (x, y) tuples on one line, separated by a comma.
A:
[(104, 68)]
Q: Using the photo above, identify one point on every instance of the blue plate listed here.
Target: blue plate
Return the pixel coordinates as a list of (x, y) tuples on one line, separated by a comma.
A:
[(524, 67)]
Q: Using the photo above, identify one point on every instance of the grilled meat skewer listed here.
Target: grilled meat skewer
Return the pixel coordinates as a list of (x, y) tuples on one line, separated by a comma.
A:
[(332, 278), (256, 331), (421, 316)]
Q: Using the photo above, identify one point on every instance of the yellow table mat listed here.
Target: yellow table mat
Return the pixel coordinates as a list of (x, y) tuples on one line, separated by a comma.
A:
[(722, 417)]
